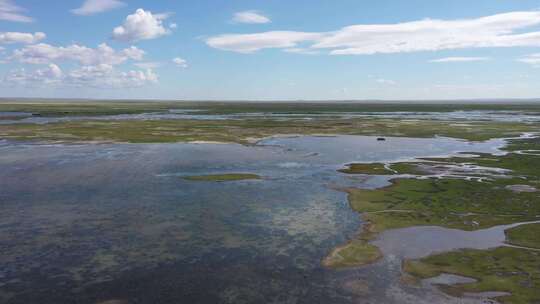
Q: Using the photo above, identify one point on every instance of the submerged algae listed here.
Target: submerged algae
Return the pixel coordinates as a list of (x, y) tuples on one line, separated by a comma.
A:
[(354, 254)]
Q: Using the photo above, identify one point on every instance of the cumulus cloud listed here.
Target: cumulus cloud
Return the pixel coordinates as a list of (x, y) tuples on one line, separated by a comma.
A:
[(501, 30), (252, 17), (52, 74), (180, 62), (459, 59), (105, 76), (97, 76), (142, 25), (532, 59), (43, 53), (249, 43), (17, 37), (9, 11), (91, 7)]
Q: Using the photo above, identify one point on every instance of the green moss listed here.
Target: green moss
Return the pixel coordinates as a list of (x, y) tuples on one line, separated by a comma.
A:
[(354, 254), (223, 177), (524, 235), (372, 168), (504, 269)]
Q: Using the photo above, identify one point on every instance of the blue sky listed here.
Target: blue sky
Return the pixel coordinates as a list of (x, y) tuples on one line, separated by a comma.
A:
[(266, 50)]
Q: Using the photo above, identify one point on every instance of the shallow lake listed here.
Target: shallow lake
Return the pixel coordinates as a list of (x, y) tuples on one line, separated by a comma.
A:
[(100, 222)]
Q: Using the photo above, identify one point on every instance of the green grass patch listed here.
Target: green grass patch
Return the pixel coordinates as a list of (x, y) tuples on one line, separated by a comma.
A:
[(521, 165), (504, 269), (452, 203), (524, 235), (412, 168), (371, 168), (408, 168)]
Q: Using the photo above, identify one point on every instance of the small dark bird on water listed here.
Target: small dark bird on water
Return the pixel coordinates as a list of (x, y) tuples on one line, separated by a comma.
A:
[(381, 139)]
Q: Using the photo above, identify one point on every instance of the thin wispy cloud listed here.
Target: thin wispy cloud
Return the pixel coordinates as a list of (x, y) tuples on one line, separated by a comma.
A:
[(532, 59), (459, 59), (501, 30), (9, 11), (249, 43), (303, 51), (92, 7), (385, 81), (250, 17)]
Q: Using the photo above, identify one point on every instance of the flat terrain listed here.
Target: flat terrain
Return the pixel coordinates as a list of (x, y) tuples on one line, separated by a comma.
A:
[(459, 167), (229, 122)]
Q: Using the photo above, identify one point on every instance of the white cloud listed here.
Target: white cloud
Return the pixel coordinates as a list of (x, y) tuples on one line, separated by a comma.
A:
[(180, 62), (105, 76), (385, 81), (147, 65), (52, 74), (249, 43), (501, 30), (45, 53), (252, 17), (304, 51), (173, 26), (142, 25), (91, 7), (532, 59), (97, 76), (434, 35), (17, 37), (9, 11), (459, 59)]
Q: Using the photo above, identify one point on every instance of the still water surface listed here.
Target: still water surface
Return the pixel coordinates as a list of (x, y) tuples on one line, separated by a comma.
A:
[(94, 223)]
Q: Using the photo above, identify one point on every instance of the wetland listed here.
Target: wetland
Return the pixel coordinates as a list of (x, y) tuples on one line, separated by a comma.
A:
[(161, 202)]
